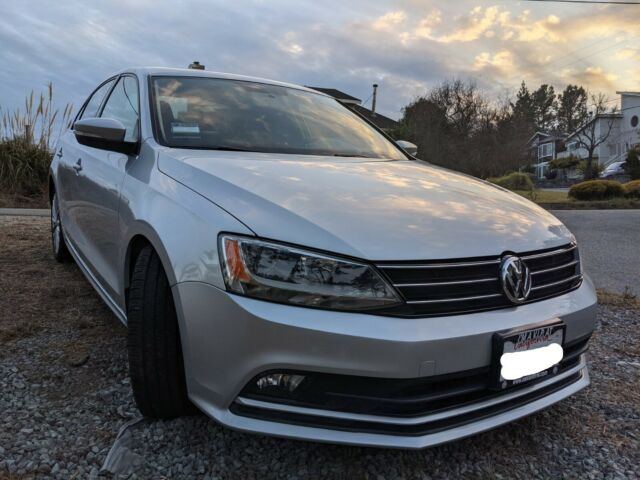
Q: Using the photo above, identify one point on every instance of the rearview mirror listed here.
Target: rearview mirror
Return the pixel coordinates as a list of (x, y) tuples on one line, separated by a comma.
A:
[(410, 148), (105, 134)]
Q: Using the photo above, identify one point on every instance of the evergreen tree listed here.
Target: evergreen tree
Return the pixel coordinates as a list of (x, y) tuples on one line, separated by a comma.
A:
[(544, 107), (572, 108)]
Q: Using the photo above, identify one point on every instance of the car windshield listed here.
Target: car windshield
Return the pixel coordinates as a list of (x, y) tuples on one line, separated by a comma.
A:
[(222, 114)]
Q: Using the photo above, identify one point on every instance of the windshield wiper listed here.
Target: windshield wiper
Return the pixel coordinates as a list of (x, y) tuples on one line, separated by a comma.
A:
[(349, 155), (230, 149)]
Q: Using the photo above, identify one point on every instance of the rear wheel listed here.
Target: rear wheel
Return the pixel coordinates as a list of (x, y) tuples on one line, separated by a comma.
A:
[(60, 251), (156, 364)]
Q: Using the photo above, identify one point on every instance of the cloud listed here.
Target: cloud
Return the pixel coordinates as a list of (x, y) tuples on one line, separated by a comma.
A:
[(628, 54), (502, 61), (405, 46), (390, 20), (596, 78), (473, 26)]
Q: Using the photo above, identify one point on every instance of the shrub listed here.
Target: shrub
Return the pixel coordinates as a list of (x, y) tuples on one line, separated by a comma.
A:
[(632, 189), (632, 166), (566, 162), (514, 181), (596, 190), (596, 168), (26, 138), (24, 167)]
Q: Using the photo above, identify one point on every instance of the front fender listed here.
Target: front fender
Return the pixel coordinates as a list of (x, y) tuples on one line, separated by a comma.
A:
[(181, 225)]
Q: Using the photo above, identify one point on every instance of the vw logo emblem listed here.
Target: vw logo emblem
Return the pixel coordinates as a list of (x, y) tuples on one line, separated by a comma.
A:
[(515, 278)]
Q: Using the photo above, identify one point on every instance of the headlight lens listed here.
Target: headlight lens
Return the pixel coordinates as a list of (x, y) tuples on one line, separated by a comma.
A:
[(280, 273)]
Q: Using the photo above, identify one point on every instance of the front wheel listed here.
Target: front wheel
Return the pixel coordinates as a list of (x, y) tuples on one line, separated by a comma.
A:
[(156, 364), (60, 251)]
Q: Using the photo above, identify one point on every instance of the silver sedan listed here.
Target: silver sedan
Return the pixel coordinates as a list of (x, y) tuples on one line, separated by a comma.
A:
[(287, 268)]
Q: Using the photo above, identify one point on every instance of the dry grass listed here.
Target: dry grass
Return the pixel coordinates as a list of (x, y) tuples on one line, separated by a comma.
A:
[(14, 200), (40, 295), (625, 299)]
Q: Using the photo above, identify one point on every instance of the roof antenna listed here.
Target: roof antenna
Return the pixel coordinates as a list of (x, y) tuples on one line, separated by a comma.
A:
[(196, 66), (373, 102)]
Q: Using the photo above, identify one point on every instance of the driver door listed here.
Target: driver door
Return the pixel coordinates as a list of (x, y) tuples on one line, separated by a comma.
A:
[(99, 183)]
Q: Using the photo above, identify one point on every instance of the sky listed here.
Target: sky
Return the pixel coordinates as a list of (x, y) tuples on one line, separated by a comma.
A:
[(406, 46)]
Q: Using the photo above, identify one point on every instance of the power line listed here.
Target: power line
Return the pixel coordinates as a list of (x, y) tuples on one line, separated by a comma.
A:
[(592, 53), (586, 1), (577, 50)]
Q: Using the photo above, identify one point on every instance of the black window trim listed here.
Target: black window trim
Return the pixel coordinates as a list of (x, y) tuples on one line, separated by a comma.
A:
[(106, 99), (84, 105)]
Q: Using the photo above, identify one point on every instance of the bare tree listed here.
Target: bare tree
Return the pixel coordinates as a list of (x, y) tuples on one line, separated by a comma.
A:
[(457, 126), (593, 133)]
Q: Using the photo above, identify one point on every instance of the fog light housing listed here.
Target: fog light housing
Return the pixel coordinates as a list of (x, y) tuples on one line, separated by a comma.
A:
[(281, 381)]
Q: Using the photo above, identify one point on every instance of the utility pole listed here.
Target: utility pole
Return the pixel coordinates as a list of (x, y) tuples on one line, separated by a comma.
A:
[(373, 101)]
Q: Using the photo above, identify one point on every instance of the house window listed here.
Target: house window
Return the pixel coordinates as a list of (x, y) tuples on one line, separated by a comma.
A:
[(572, 146), (634, 121), (545, 150)]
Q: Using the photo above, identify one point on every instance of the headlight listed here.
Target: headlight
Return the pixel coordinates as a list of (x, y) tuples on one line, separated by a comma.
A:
[(284, 274)]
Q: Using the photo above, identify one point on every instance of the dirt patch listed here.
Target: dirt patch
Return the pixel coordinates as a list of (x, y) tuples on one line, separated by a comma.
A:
[(51, 301)]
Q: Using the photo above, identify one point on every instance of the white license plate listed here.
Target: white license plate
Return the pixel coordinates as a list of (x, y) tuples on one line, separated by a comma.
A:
[(520, 356)]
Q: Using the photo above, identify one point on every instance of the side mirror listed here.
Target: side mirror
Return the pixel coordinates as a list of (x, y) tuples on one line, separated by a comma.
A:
[(410, 148), (105, 134)]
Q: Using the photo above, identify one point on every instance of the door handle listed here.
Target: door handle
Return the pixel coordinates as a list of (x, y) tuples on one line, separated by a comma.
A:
[(78, 166), (59, 154)]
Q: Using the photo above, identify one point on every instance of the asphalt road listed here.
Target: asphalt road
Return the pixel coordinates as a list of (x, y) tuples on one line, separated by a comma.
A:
[(609, 242)]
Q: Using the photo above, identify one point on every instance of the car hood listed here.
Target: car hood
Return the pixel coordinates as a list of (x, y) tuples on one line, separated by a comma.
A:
[(372, 209)]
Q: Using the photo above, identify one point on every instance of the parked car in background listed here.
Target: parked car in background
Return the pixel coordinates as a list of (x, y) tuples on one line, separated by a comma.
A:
[(613, 170), (287, 268)]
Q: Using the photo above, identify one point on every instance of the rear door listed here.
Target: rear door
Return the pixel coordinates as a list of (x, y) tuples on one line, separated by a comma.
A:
[(69, 169), (99, 185)]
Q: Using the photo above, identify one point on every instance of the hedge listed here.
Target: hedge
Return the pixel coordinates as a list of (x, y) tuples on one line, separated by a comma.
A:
[(632, 189), (514, 181), (597, 190)]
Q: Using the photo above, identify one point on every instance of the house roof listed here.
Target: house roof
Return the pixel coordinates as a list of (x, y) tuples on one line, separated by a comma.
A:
[(380, 121), (337, 94), (635, 94), (602, 115), (549, 136)]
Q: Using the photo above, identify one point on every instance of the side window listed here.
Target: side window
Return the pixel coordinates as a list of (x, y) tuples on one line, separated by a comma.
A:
[(93, 105), (122, 105)]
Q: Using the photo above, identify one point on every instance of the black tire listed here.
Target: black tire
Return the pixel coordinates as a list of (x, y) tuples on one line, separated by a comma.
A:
[(156, 365), (60, 251)]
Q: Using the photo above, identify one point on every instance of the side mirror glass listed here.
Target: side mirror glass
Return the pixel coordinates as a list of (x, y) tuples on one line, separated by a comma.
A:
[(410, 148), (105, 134)]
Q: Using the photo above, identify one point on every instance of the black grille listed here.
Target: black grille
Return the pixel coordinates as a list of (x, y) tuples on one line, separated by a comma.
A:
[(471, 285), (400, 397)]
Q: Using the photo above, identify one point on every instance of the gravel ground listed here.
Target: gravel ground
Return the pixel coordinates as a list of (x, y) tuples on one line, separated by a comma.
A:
[(65, 395)]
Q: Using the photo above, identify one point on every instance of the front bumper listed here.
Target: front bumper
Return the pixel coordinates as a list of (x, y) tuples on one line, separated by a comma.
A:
[(228, 340)]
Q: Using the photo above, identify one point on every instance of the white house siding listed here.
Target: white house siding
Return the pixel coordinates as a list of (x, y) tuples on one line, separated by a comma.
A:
[(623, 135)]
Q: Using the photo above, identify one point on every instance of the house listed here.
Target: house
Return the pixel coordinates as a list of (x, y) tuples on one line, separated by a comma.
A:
[(622, 128), (385, 124), (544, 147)]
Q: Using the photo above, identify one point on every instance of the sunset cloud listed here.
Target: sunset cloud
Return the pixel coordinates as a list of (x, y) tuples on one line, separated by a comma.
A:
[(404, 46)]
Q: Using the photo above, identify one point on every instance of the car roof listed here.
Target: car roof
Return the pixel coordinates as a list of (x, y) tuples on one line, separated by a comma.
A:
[(190, 72)]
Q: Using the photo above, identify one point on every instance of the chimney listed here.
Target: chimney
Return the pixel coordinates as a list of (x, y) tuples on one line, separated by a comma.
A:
[(373, 101), (196, 66)]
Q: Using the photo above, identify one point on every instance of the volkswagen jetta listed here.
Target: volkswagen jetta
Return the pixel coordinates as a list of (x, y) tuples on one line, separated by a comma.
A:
[(287, 268)]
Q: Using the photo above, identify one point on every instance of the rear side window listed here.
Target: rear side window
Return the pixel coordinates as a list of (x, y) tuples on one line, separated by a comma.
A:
[(122, 105), (93, 105)]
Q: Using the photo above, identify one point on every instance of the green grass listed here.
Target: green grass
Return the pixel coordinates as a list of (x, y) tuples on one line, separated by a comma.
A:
[(560, 200)]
